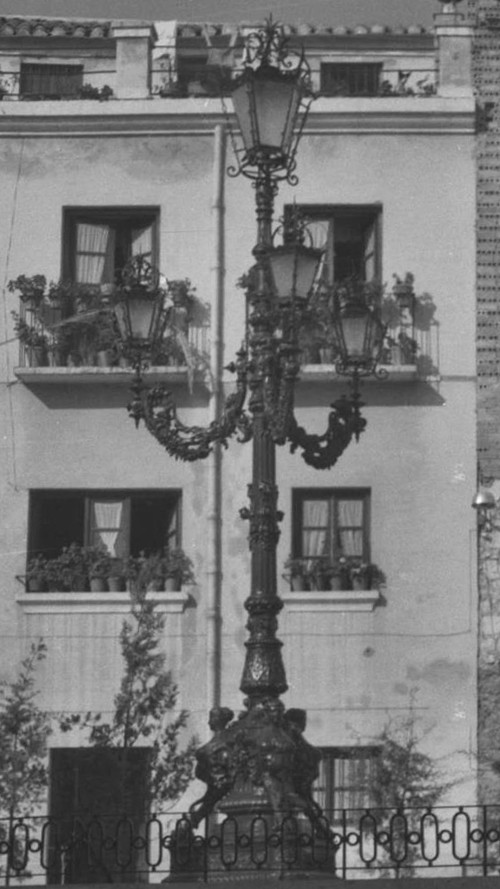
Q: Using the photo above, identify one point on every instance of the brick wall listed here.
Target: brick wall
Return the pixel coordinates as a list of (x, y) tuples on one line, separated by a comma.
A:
[(485, 15)]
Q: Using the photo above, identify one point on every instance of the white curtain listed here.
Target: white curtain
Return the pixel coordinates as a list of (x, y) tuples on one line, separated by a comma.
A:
[(315, 525), (93, 244), (350, 527), (142, 242), (107, 521)]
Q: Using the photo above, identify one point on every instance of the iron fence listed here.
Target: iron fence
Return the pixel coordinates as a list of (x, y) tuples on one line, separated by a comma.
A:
[(440, 841)]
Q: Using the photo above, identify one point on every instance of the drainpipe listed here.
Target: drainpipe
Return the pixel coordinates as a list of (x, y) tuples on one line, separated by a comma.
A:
[(214, 566)]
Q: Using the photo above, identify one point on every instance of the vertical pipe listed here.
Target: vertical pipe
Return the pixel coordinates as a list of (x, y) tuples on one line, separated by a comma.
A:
[(214, 517)]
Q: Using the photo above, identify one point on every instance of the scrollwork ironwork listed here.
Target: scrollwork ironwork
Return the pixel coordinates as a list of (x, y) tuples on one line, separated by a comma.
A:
[(323, 451)]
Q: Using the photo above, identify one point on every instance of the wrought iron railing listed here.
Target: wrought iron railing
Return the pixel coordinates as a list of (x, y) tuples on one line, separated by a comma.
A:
[(441, 841)]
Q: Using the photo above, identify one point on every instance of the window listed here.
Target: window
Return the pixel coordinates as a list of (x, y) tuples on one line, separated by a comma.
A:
[(331, 523), (345, 776), (50, 81), (96, 783), (204, 74), (350, 78), (98, 242), (351, 237), (125, 522)]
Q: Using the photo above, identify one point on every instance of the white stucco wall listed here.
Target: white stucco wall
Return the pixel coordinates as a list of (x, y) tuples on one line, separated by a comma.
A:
[(352, 671)]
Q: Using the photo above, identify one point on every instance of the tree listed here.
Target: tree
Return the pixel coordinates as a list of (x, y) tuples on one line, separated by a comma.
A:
[(403, 784), (142, 709), (24, 730)]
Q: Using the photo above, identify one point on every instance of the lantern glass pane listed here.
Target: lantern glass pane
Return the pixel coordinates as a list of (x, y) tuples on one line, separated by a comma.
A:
[(142, 314), (275, 103), (245, 112), (121, 316), (354, 329), (294, 270), (307, 264)]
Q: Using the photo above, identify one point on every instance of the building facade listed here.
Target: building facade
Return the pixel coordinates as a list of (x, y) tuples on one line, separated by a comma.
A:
[(114, 145)]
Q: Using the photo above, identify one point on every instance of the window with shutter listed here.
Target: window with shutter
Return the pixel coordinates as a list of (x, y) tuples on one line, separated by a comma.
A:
[(350, 236), (350, 78), (344, 781), (124, 522), (99, 241), (50, 81), (331, 523)]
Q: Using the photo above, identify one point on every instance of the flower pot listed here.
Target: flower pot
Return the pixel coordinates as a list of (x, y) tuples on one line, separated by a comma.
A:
[(336, 582), (361, 583), (172, 584), (326, 355), (79, 583), (322, 582), (98, 585), (32, 301), (298, 582), (104, 358), (56, 358), (116, 584), (38, 356)]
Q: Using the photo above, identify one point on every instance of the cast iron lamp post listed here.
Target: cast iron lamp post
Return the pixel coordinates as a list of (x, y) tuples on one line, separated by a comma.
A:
[(260, 763)]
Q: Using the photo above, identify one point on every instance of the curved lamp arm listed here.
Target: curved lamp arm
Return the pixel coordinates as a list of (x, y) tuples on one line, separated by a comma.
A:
[(344, 422), (157, 408)]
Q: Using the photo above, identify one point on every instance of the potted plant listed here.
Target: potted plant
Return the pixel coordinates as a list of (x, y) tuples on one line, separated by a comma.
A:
[(403, 349), (297, 574), (33, 339), (56, 575), (31, 289), (403, 291), (98, 562), (183, 296), (365, 576), (321, 573), (116, 576), (36, 574), (177, 567), (339, 574), (425, 309), (73, 564), (145, 572), (106, 337)]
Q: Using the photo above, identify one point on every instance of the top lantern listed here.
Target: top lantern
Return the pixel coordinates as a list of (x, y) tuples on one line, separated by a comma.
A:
[(271, 101)]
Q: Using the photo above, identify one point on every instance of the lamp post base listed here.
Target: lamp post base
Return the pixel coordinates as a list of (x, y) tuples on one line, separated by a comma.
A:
[(258, 810)]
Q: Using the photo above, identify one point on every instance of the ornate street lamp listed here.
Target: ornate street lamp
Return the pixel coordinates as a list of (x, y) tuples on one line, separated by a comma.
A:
[(258, 768)]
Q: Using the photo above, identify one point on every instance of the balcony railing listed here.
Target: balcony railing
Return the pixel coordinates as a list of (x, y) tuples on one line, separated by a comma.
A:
[(440, 841), (90, 339)]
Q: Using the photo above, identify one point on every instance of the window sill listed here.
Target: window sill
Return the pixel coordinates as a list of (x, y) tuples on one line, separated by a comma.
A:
[(330, 600), (104, 603), (89, 375), (397, 373)]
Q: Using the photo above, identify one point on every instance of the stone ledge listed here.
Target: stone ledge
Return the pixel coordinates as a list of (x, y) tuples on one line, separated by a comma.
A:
[(330, 600)]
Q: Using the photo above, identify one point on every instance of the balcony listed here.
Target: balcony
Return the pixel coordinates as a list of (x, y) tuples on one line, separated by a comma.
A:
[(68, 333)]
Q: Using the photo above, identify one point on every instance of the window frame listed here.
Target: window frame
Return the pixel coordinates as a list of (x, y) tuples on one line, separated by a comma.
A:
[(329, 756), (299, 495), (37, 496), (78, 74), (102, 214), (318, 212), (373, 71)]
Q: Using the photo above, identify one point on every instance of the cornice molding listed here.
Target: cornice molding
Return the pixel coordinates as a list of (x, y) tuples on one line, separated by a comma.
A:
[(198, 117)]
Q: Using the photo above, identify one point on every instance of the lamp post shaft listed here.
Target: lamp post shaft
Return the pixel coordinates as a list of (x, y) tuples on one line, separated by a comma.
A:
[(263, 672)]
